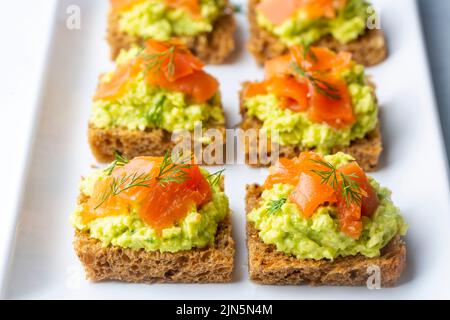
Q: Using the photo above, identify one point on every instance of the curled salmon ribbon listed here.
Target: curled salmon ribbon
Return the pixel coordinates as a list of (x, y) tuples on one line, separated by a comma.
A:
[(167, 65), (306, 173), (161, 198), (309, 80)]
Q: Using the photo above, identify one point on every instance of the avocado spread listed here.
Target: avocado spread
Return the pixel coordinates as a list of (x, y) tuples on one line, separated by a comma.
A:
[(319, 237), (349, 24), (143, 107), (127, 230), (295, 128), (154, 19)]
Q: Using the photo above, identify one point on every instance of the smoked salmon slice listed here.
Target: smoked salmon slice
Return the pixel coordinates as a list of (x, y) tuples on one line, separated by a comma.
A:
[(278, 11), (292, 90), (161, 205), (117, 85), (306, 173)]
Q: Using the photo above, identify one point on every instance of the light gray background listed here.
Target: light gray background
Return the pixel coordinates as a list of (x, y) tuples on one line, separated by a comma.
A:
[(435, 16)]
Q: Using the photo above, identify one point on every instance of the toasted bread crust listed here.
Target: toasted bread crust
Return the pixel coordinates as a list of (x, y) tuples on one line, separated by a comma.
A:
[(209, 265), (212, 47), (366, 151), (132, 143), (213, 264), (369, 49), (269, 266)]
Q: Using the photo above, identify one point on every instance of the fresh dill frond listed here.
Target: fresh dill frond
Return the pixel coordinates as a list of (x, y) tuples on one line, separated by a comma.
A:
[(339, 181), (275, 205), (173, 171), (215, 178), (321, 86), (155, 114), (119, 161)]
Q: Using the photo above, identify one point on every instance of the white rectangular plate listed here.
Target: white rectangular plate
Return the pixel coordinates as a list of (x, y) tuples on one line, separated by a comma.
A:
[(42, 263)]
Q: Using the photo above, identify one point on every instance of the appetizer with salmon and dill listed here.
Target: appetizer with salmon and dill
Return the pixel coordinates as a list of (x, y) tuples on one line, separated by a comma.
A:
[(154, 219), (321, 220), (206, 27), (340, 25), (153, 92), (314, 99)]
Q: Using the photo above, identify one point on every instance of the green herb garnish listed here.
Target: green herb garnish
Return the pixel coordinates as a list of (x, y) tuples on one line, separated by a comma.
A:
[(215, 178), (172, 171), (321, 86), (275, 205), (345, 183), (153, 62), (155, 114)]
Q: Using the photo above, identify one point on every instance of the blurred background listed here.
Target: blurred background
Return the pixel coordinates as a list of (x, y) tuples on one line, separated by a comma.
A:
[(436, 25)]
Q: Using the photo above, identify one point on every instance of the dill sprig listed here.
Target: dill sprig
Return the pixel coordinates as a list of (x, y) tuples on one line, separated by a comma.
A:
[(275, 205), (119, 161), (321, 86), (155, 114), (121, 184), (307, 52), (215, 178), (345, 183), (153, 62), (173, 171), (169, 171)]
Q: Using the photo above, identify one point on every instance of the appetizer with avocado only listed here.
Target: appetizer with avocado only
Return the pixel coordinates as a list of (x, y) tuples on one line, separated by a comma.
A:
[(154, 219), (320, 220), (340, 25), (314, 99), (153, 92), (206, 27)]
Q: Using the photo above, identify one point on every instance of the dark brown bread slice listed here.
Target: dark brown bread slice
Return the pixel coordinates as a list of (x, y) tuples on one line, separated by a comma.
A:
[(213, 47), (369, 49), (366, 151), (269, 266), (212, 264), (132, 143)]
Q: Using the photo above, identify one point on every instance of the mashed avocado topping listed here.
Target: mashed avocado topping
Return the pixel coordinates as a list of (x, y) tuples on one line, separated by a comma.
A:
[(348, 25), (143, 106), (128, 230), (155, 19), (319, 237), (295, 128)]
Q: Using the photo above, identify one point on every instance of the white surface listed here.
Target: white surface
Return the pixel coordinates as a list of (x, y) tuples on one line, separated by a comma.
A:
[(43, 264), (25, 29)]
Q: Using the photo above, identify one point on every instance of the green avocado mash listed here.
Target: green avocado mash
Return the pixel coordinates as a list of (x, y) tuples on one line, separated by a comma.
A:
[(319, 237), (349, 24), (196, 230), (143, 107), (154, 19), (295, 128)]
